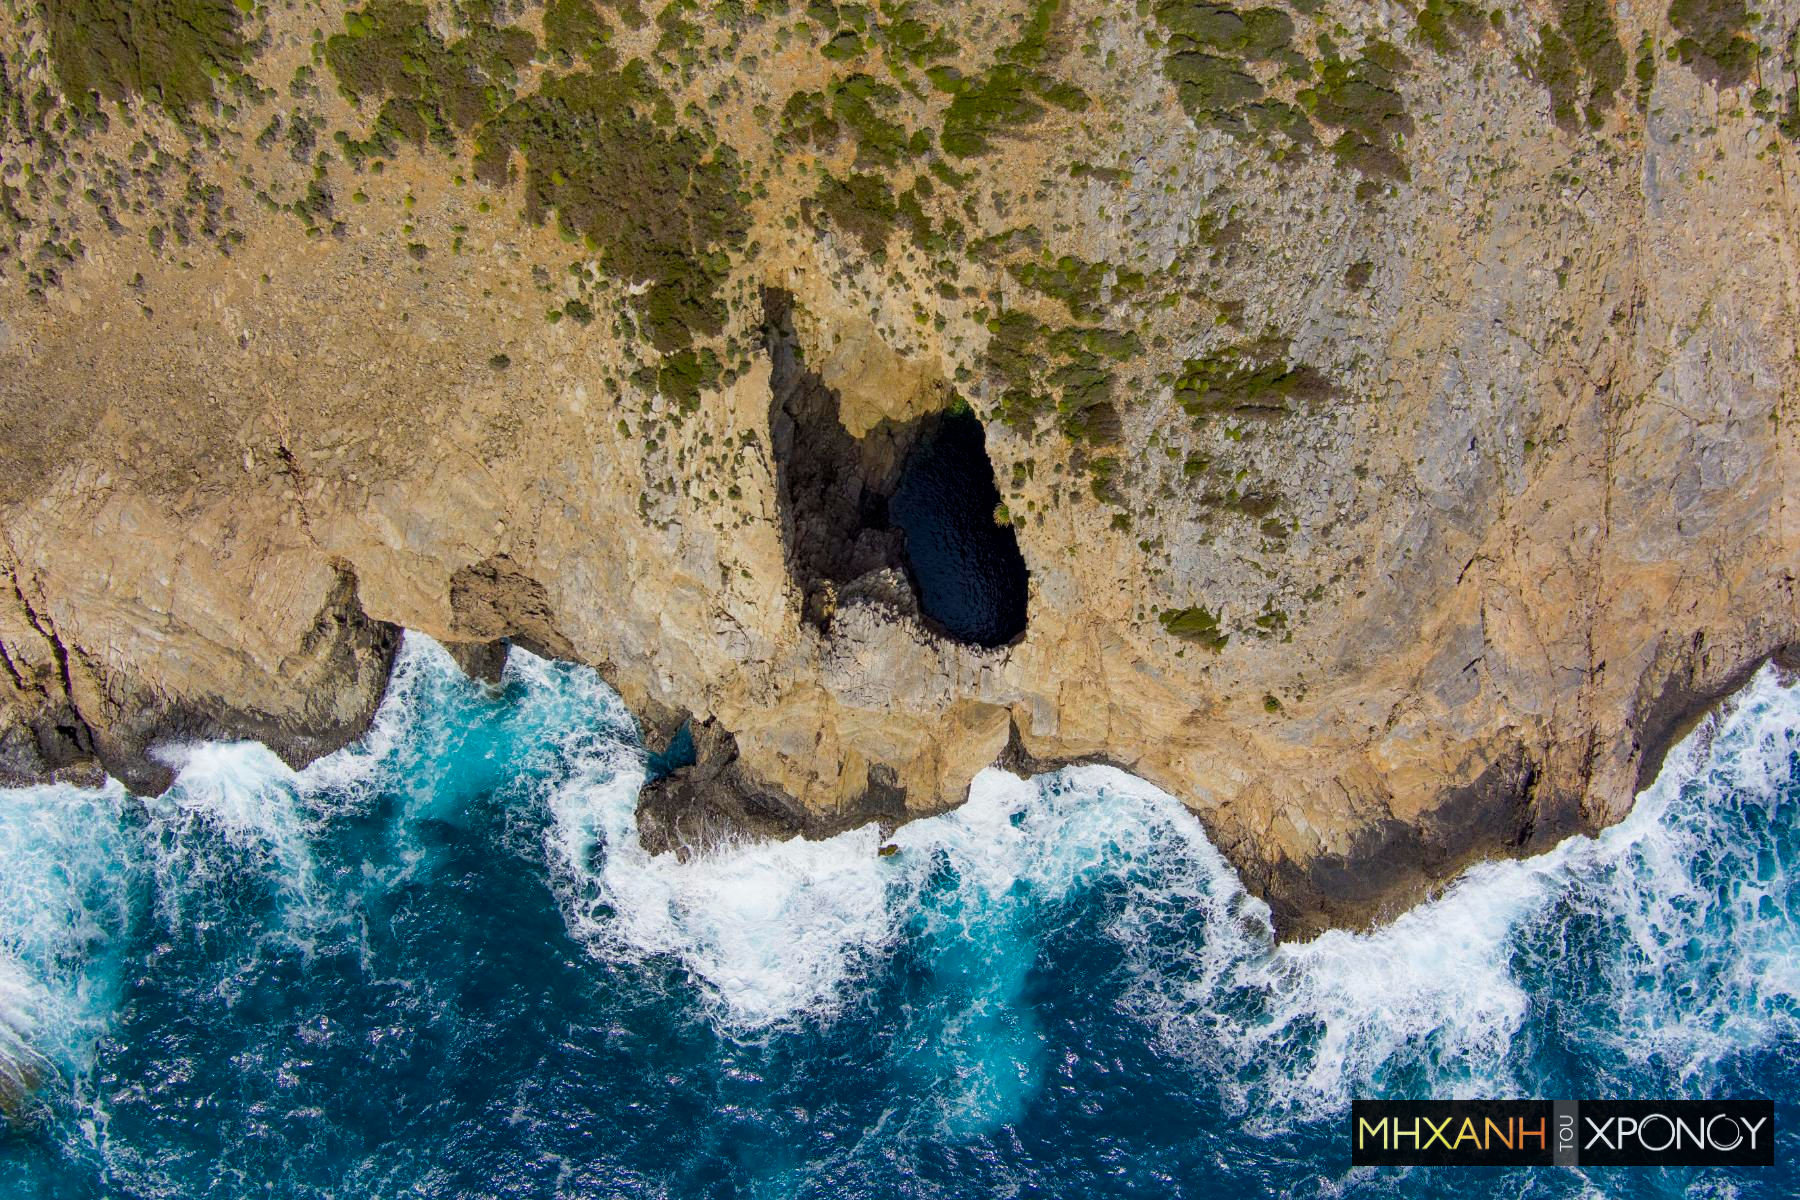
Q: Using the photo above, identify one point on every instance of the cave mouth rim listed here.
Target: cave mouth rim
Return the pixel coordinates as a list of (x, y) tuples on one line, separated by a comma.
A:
[(834, 490)]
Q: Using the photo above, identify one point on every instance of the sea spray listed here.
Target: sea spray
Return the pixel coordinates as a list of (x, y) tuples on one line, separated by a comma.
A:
[(440, 962), (769, 931), (68, 871)]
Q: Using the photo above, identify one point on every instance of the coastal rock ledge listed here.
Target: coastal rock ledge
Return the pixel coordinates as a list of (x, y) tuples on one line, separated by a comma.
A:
[(1394, 406)]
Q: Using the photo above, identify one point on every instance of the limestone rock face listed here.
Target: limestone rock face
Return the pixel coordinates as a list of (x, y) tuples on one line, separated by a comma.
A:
[(1424, 504)]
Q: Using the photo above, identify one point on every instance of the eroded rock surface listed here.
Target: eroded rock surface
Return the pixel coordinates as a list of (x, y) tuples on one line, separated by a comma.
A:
[(1394, 404)]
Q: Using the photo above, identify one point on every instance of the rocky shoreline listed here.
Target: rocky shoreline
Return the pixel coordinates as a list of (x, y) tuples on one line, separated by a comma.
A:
[(1394, 410)]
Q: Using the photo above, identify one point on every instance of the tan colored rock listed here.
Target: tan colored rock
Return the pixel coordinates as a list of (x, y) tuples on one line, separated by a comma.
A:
[(1543, 514)]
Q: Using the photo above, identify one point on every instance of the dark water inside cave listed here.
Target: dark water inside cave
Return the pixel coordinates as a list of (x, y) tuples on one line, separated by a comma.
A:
[(970, 575)]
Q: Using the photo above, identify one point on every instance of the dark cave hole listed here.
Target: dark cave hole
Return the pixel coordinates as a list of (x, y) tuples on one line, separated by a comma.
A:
[(967, 567), (903, 514)]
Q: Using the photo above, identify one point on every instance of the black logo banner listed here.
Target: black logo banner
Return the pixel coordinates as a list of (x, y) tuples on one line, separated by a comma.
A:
[(1543, 1133)]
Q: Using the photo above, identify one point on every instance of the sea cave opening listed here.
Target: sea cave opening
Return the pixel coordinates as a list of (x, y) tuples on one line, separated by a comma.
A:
[(904, 514), (966, 565)]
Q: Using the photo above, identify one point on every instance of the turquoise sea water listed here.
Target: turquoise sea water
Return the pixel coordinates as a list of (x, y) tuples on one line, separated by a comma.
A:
[(438, 964)]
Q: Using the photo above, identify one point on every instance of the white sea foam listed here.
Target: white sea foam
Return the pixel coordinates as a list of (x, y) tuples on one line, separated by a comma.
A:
[(67, 870), (22, 1003), (773, 930), (1439, 995), (1345, 1007), (778, 933), (1700, 881), (422, 673), (72, 857), (770, 930), (234, 807), (1435, 1000)]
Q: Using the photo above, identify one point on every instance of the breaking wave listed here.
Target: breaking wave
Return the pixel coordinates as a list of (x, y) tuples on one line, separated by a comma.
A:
[(439, 962)]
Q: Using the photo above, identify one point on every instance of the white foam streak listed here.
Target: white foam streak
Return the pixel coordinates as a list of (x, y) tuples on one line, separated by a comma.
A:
[(771, 930), (1438, 994), (67, 871)]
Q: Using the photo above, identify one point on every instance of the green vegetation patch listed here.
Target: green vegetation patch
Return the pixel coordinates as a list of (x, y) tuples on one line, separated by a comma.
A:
[(1066, 373), (1246, 379), (1260, 33), (1212, 89), (575, 29), (168, 51), (1208, 47), (1361, 98), (1195, 624), (431, 90), (858, 106), (1580, 62), (1645, 72), (1714, 39), (1009, 95), (660, 204), (683, 375), (1075, 281), (1445, 25), (901, 31), (861, 207)]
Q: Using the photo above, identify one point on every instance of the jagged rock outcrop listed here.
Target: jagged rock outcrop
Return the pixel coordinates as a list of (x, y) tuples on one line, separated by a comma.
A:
[(1395, 411)]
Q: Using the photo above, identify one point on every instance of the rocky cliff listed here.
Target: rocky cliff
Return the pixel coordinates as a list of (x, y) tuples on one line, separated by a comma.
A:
[(1393, 403)]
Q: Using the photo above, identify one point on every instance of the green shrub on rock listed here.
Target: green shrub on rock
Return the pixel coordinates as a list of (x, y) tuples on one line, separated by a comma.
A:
[(1195, 624), (1714, 39), (167, 51), (660, 204)]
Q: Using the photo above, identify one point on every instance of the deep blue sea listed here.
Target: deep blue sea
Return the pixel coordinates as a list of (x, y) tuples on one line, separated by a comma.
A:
[(438, 964)]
